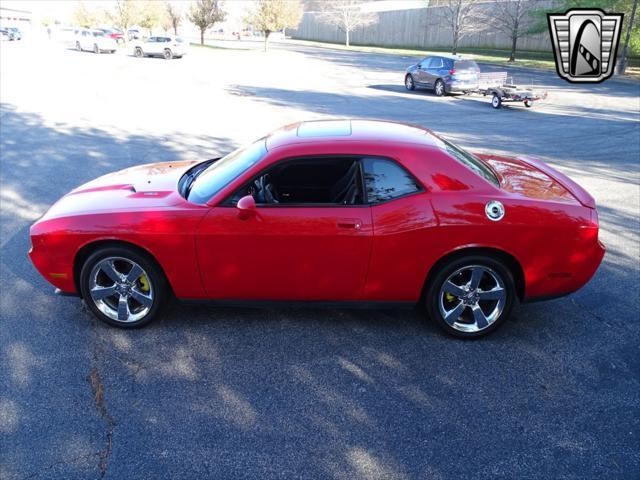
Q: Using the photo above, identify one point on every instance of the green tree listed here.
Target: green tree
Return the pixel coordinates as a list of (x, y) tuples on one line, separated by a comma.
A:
[(204, 14), (82, 16), (268, 16), (150, 15), (630, 30), (125, 13)]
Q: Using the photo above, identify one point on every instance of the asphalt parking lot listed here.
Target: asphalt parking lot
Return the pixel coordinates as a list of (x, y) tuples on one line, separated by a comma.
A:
[(306, 393)]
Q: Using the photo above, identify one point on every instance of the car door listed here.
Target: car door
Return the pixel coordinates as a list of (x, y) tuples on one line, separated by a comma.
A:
[(403, 221), (286, 251), (151, 46), (433, 70), (85, 44), (421, 72)]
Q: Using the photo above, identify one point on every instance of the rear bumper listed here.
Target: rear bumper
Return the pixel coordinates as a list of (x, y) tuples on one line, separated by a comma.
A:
[(455, 86), (558, 279)]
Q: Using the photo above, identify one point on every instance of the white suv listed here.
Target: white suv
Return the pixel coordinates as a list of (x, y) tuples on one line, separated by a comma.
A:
[(167, 47), (95, 41)]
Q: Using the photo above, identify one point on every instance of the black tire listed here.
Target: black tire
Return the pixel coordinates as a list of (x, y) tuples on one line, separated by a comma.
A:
[(496, 101), (409, 83), (157, 284), (96, 48), (528, 103), (168, 55), (439, 88), (138, 52), (78, 47), (464, 329)]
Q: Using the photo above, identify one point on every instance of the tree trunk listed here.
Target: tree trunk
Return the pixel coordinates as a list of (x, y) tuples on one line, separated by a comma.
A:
[(202, 36), (346, 37), (514, 46), (622, 63), (455, 42), (175, 29), (266, 40)]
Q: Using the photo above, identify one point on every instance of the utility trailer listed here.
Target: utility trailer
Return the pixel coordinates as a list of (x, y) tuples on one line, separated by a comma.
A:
[(502, 89)]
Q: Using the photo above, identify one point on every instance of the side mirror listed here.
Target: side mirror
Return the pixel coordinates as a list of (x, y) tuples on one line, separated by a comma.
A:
[(246, 207)]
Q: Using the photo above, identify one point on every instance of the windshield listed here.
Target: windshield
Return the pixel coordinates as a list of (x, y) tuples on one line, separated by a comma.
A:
[(471, 162), (225, 170)]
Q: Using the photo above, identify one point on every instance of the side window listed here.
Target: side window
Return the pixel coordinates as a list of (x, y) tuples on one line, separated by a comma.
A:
[(312, 181), (436, 62), (385, 180), (425, 62)]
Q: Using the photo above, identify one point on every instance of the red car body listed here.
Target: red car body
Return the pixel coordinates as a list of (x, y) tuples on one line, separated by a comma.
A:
[(384, 252)]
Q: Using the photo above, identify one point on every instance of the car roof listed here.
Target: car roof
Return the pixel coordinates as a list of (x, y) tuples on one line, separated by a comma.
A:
[(370, 131)]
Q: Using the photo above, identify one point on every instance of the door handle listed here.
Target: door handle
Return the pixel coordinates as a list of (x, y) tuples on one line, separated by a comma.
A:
[(353, 223)]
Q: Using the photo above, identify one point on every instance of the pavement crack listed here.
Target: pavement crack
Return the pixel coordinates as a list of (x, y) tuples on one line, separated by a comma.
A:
[(98, 395)]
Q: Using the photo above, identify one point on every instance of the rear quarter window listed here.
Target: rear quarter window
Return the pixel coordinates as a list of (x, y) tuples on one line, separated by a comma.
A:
[(385, 180)]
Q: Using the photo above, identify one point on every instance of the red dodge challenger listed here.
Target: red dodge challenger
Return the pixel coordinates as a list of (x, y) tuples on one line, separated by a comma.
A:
[(349, 211)]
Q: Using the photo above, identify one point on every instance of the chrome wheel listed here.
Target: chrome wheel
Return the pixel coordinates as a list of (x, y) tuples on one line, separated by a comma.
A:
[(408, 82), (121, 289), (472, 298)]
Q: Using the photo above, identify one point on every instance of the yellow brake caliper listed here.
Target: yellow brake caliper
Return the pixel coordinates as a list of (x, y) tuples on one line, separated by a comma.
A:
[(144, 283), (449, 297)]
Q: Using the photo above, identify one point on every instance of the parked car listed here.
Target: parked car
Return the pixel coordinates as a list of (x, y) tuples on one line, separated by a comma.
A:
[(162, 46), (113, 33), (443, 74), (341, 211), (95, 41), (134, 34), (14, 33), (5, 35)]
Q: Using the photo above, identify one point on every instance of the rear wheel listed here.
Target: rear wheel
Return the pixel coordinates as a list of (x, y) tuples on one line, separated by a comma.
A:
[(496, 101), (471, 296), (528, 103), (439, 88), (122, 287), (167, 54), (409, 83), (96, 48), (78, 47), (138, 52)]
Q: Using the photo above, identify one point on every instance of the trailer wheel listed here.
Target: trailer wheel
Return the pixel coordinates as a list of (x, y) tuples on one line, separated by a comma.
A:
[(496, 101), (528, 103)]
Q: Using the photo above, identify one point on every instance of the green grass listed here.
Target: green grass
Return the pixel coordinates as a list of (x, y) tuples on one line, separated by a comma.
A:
[(524, 58), (217, 47)]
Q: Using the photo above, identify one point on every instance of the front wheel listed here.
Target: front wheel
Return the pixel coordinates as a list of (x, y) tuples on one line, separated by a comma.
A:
[(471, 296), (96, 48), (167, 54), (528, 103), (439, 88), (123, 287), (138, 52), (78, 47), (409, 84), (496, 101)]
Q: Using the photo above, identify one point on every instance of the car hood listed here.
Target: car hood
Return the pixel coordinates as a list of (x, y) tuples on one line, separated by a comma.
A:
[(153, 185)]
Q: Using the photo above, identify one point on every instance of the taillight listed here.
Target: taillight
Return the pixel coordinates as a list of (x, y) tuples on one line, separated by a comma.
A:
[(452, 71)]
